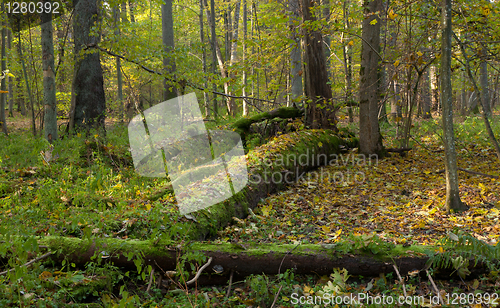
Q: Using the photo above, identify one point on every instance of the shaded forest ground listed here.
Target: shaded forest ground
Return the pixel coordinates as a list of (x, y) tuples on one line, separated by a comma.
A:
[(90, 190)]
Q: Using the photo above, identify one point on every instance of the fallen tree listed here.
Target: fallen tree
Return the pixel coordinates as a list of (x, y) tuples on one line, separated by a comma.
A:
[(244, 259), (271, 167), (242, 126)]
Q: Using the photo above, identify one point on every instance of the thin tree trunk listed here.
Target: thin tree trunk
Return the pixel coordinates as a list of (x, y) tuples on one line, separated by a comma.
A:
[(204, 60), (244, 46), (131, 10), (485, 93), (234, 53), (49, 78), (26, 80), (10, 81), (453, 202), (220, 61), (434, 89), (491, 135), (211, 19), (295, 56), (3, 94), (426, 96), (347, 51)]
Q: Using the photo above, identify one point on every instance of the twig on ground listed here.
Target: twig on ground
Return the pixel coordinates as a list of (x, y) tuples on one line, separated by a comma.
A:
[(150, 279), (435, 288), (473, 172), (230, 283), (400, 279), (199, 272), (276, 296), (30, 262), (279, 269)]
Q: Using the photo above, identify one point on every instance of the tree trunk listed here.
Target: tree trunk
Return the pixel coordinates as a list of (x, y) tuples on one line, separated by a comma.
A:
[(116, 13), (243, 259), (347, 52), (485, 95), (211, 20), (204, 60), (3, 95), (131, 10), (10, 81), (49, 77), (89, 105), (425, 96), (220, 61), (26, 80), (434, 90), (453, 202), (244, 46), (270, 169), (167, 27), (234, 54), (369, 97), (320, 112), (295, 56)]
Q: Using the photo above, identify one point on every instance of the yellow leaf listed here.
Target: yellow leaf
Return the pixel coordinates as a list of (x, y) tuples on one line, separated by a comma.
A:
[(373, 22), (486, 10), (420, 54), (350, 43), (325, 229), (320, 144), (396, 64), (392, 15)]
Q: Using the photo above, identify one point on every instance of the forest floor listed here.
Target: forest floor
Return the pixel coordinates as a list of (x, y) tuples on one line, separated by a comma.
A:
[(395, 199)]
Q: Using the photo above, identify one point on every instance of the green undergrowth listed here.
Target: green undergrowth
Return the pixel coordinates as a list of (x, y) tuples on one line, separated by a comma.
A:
[(88, 190)]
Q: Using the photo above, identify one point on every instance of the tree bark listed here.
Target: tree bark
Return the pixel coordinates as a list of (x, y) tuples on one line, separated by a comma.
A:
[(119, 82), (347, 52), (295, 55), (10, 81), (270, 169), (89, 104), (26, 80), (244, 52), (204, 59), (167, 26), (320, 111), (453, 201), (3, 95), (369, 89), (485, 95), (425, 96), (49, 78), (245, 259)]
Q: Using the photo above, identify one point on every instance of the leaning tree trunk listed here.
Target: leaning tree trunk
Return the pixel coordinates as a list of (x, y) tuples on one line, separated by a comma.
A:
[(49, 78), (369, 89), (320, 111), (89, 105), (453, 202)]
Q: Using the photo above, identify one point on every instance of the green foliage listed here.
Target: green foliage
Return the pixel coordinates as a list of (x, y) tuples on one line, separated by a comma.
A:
[(459, 248)]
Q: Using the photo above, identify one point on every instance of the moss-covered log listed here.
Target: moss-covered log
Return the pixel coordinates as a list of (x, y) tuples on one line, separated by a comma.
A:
[(242, 125), (244, 259), (271, 167)]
